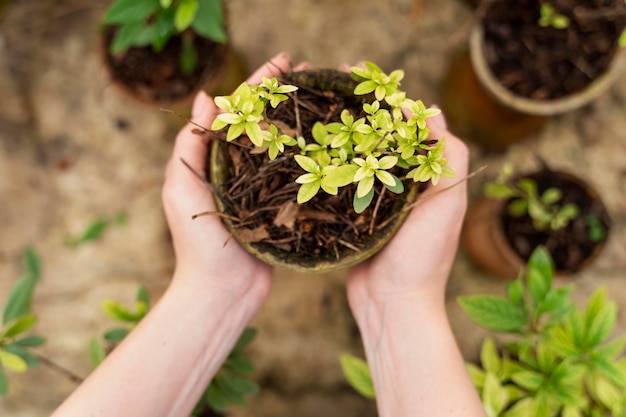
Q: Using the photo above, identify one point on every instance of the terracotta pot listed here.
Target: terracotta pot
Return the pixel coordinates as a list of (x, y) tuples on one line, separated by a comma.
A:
[(303, 262), (481, 109), (491, 247)]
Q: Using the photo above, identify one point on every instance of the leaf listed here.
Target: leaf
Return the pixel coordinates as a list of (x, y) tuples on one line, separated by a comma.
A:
[(20, 298), (116, 335), (30, 359), (494, 397), (361, 203), (541, 261), (358, 375), (529, 380), (307, 164), (237, 362), (13, 362), (499, 191), (188, 59), (215, 397), (494, 313), (126, 11), (95, 352), (238, 384), (118, 312), (185, 14), (489, 357), (308, 191), (33, 264), (397, 187), (551, 196), (340, 176), (477, 376), (209, 21), (600, 318), (4, 383), (17, 326), (31, 341), (247, 336), (143, 296)]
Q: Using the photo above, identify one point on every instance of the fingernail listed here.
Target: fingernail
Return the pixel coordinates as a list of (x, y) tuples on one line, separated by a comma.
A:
[(200, 104), (439, 120)]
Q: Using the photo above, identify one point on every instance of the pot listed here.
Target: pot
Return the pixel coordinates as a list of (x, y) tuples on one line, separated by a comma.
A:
[(307, 221), (490, 238)]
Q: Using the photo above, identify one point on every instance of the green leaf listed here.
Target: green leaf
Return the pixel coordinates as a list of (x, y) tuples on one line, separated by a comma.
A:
[(188, 59), (116, 335), (358, 375), (398, 187), (489, 357), (12, 361), (17, 326), (247, 336), (306, 163), (237, 362), (20, 298), (215, 397), (499, 191), (30, 359), (185, 14), (528, 379), (622, 39), (143, 296), (165, 3), (33, 264), (340, 176), (95, 352), (118, 312), (238, 384), (127, 11), (600, 318), (361, 203), (541, 261), (132, 35), (31, 341), (494, 313), (551, 196), (209, 21), (477, 376), (494, 396), (308, 191), (4, 383)]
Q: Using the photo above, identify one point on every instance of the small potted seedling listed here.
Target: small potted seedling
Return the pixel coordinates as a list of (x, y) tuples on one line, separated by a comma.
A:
[(229, 387), (531, 59), (314, 170), (163, 51), (520, 212), (547, 357)]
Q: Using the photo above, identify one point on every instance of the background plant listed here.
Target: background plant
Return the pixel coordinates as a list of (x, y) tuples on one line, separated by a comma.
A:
[(562, 362), (153, 23), (549, 17), (522, 194), (16, 339), (229, 386), (359, 150)]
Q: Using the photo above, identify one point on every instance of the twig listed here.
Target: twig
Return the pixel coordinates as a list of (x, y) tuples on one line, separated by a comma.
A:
[(375, 212), (59, 369)]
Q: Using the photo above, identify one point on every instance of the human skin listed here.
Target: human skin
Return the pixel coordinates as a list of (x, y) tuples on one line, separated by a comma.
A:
[(163, 366), (398, 301)]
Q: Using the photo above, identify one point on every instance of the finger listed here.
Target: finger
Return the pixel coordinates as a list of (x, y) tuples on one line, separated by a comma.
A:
[(279, 64), (189, 146), (302, 66)]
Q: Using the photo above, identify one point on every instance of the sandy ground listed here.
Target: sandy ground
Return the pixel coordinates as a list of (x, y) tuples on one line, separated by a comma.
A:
[(72, 150)]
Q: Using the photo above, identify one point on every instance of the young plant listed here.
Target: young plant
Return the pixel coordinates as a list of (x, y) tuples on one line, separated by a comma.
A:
[(229, 386), (562, 360), (358, 150), (358, 375), (549, 17), (17, 322), (524, 199), (153, 23)]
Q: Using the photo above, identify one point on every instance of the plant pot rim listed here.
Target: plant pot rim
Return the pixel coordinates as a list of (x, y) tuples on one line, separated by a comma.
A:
[(534, 106)]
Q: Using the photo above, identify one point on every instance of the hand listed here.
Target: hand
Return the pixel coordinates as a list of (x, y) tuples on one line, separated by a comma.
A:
[(205, 252), (419, 258)]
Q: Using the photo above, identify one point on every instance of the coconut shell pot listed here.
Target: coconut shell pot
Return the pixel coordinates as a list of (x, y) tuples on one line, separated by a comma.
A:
[(324, 234), (501, 244)]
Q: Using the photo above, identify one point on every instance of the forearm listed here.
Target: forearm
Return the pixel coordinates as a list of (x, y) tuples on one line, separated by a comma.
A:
[(415, 363), (166, 362)]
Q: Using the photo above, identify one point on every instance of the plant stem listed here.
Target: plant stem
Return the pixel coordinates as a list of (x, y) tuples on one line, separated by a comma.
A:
[(60, 369)]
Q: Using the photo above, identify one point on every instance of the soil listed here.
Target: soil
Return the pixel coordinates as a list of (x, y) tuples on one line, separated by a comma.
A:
[(545, 62), (570, 246), (261, 194), (157, 77)]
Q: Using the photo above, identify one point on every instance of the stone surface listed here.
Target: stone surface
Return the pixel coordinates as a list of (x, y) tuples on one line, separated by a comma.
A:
[(72, 150)]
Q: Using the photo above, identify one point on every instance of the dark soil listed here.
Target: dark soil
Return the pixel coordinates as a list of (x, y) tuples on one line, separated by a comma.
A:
[(570, 246), (261, 194), (157, 77), (544, 62)]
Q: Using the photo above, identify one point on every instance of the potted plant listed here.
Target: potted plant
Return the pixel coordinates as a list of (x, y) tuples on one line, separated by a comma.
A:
[(547, 207), (559, 360), (164, 51), (314, 170), (531, 59)]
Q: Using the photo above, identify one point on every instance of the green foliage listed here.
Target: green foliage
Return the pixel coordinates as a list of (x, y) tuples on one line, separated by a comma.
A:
[(230, 385), (95, 230), (524, 199), (549, 17), (358, 375), (17, 322), (142, 23), (562, 360), (359, 152)]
